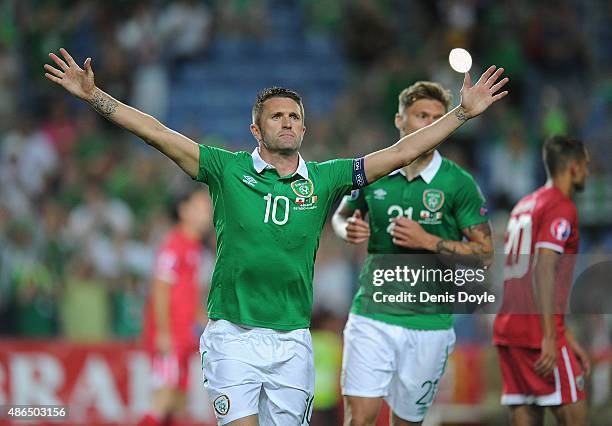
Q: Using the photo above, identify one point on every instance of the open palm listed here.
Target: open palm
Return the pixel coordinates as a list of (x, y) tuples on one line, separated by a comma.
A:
[(477, 98), (76, 80)]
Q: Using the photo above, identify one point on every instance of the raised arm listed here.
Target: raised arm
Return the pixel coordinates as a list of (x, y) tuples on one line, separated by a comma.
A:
[(474, 100), (80, 82)]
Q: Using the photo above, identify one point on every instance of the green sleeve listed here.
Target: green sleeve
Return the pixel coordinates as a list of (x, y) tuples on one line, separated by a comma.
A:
[(339, 175), (470, 205), (212, 163)]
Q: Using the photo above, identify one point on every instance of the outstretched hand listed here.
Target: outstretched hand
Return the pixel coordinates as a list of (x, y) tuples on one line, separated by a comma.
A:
[(76, 80), (477, 98)]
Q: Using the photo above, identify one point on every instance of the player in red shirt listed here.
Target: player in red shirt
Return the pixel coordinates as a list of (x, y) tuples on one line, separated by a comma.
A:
[(541, 363), (175, 308)]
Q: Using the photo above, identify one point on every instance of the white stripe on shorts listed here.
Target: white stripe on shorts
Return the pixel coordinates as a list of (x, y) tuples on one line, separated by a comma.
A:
[(570, 373)]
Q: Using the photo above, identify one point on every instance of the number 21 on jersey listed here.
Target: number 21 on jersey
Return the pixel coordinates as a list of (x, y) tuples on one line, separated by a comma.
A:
[(395, 211)]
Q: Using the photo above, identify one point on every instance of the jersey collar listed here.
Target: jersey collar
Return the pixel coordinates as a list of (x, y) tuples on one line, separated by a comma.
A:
[(429, 172), (260, 164)]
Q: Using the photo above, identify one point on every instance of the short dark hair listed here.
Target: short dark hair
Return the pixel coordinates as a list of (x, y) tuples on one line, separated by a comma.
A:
[(274, 92), (181, 196), (424, 90), (558, 150)]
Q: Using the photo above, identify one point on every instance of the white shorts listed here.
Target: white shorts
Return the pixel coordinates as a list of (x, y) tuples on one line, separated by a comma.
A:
[(259, 371), (401, 365)]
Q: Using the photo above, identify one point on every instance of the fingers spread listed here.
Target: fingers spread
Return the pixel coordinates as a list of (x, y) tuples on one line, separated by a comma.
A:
[(52, 78), (67, 57), (485, 76), (499, 96), (60, 63), (499, 85), (53, 71), (492, 79)]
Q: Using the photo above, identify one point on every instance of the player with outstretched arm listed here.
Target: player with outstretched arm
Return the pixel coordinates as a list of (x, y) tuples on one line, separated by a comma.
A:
[(428, 209), (269, 210)]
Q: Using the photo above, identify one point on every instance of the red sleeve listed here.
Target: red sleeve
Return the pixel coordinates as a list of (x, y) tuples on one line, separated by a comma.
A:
[(556, 226), (166, 265)]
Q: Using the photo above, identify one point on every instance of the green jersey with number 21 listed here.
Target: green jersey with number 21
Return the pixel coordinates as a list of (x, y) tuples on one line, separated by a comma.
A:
[(443, 199)]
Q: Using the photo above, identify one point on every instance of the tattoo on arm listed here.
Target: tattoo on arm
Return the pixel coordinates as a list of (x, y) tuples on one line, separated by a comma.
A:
[(103, 104), (479, 243), (460, 114)]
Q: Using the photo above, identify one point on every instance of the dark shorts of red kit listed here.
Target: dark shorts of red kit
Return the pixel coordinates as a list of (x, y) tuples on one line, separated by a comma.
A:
[(170, 370), (523, 386)]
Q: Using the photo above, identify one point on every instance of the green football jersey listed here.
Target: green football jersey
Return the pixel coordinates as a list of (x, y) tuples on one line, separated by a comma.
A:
[(443, 199), (268, 228)]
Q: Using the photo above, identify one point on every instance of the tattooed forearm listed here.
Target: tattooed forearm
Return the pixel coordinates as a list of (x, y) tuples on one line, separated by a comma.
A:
[(461, 114), (479, 244), (104, 104)]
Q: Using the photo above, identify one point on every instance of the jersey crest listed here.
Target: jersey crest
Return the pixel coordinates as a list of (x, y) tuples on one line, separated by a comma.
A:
[(433, 199), (302, 187)]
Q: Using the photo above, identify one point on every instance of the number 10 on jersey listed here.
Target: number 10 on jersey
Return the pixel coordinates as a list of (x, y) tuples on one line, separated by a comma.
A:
[(274, 203)]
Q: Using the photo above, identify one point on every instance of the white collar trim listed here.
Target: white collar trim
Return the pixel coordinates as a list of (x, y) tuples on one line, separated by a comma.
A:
[(261, 165), (429, 172)]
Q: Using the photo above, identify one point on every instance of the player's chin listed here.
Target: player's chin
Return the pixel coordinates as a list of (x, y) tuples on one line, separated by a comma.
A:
[(288, 144)]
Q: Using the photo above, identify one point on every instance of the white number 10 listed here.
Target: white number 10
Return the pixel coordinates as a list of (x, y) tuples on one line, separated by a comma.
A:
[(274, 203)]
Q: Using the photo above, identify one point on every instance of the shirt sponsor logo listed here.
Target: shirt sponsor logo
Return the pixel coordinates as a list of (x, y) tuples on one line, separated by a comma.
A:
[(249, 180), (560, 229), (433, 199), (222, 405), (302, 187), (380, 194)]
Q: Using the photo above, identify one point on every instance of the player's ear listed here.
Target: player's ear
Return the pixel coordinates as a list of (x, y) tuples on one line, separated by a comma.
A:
[(255, 131), (398, 121)]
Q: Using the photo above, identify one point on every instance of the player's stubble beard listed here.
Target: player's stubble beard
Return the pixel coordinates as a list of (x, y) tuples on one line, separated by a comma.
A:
[(275, 146)]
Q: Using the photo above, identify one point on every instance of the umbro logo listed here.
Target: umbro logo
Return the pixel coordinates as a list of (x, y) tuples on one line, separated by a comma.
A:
[(249, 180), (380, 194)]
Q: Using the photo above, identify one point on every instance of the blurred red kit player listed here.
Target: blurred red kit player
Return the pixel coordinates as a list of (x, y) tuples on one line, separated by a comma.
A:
[(541, 363), (175, 307)]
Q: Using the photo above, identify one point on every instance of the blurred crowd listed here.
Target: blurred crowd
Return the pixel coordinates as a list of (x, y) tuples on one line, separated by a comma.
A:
[(83, 205)]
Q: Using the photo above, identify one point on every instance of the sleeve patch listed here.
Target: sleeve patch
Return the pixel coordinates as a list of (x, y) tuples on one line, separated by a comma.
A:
[(560, 229), (165, 269)]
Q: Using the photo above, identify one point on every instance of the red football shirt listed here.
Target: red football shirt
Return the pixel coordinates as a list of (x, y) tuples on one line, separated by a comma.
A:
[(177, 263), (545, 218)]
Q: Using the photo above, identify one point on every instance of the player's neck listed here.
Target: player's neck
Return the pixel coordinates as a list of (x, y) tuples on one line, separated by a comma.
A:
[(563, 184), (417, 166), (285, 164), (188, 231)]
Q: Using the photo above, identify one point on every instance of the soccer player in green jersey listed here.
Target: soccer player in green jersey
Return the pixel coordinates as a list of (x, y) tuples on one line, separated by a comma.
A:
[(392, 351), (269, 208)]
